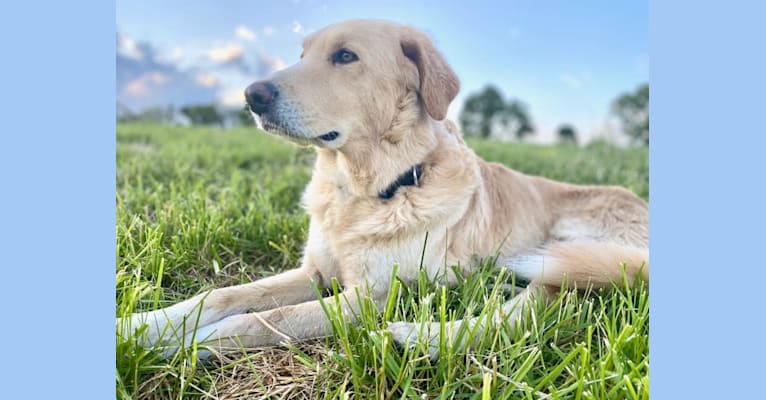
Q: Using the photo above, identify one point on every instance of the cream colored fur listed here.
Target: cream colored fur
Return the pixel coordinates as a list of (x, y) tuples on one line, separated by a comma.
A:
[(388, 108)]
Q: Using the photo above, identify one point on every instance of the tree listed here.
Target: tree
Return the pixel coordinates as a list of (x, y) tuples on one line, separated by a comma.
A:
[(157, 114), (633, 111), (203, 114), (567, 134), (486, 113), (517, 118), (480, 110)]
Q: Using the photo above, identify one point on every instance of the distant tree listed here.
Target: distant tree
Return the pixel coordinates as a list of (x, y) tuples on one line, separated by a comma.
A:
[(203, 114), (567, 134), (517, 119), (485, 113), (480, 112), (158, 114), (633, 111), (124, 113)]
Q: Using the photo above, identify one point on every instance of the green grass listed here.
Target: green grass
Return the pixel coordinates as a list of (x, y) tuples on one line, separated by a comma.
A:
[(200, 207)]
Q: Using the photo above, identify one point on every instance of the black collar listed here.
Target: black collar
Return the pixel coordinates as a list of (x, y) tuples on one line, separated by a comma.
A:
[(411, 177)]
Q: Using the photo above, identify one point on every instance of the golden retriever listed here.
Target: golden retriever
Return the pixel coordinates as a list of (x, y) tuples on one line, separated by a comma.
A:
[(371, 96)]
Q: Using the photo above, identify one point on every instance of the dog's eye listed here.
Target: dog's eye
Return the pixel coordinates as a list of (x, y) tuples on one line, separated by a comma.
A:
[(344, 56)]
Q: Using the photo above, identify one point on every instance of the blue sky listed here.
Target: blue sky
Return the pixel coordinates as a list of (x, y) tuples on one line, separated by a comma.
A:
[(566, 60)]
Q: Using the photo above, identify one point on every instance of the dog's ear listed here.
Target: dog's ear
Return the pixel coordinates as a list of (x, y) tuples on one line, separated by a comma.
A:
[(438, 83)]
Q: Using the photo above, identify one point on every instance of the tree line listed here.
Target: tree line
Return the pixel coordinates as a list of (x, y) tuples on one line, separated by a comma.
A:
[(195, 114), (485, 114)]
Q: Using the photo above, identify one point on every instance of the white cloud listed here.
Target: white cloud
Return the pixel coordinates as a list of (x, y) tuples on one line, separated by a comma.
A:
[(218, 73), (574, 81), (153, 79), (232, 97), (136, 88), (177, 54), (207, 79), (158, 78), (297, 28), (172, 57), (127, 47), (270, 63), (244, 32), (142, 85), (269, 30), (226, 54)]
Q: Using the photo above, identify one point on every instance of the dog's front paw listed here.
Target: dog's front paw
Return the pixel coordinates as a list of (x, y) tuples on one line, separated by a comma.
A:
[(415, 335), (404, 334), (148, 329)]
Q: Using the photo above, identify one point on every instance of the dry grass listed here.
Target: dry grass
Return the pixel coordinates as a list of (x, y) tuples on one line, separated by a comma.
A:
[(274, 373)]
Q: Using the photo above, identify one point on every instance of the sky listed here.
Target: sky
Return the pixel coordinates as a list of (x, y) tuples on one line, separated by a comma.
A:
[(566, 60)]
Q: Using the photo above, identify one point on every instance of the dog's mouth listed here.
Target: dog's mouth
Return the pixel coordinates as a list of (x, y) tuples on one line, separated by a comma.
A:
[(277, 129), (269, 124)]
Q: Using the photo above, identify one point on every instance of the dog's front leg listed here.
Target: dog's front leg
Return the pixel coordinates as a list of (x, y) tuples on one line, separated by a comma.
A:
[(284, 324), (172, 323)]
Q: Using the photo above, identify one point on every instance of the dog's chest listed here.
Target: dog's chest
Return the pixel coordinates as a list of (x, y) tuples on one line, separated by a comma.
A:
[(372, 235), (343, 216), (365, 259)]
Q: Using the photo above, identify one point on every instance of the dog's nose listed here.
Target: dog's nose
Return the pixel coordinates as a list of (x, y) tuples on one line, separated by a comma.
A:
[(260, 95)]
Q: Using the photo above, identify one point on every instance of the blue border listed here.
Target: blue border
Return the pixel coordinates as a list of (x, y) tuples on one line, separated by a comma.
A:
[(57, 161), (708, 69)]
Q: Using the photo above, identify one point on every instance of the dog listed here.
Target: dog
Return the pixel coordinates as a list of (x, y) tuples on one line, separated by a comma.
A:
[(371, 96)]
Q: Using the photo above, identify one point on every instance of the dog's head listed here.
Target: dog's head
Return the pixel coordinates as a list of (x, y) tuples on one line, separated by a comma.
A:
[(352, 83)]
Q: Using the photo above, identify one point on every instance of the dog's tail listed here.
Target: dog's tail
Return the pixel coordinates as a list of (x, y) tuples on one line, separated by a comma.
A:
[(583, 263)]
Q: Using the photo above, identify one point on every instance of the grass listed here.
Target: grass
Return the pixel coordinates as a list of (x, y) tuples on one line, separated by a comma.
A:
[(201, 207)]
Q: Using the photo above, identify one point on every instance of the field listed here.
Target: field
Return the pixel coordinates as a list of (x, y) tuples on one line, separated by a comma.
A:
[(199, 208)]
